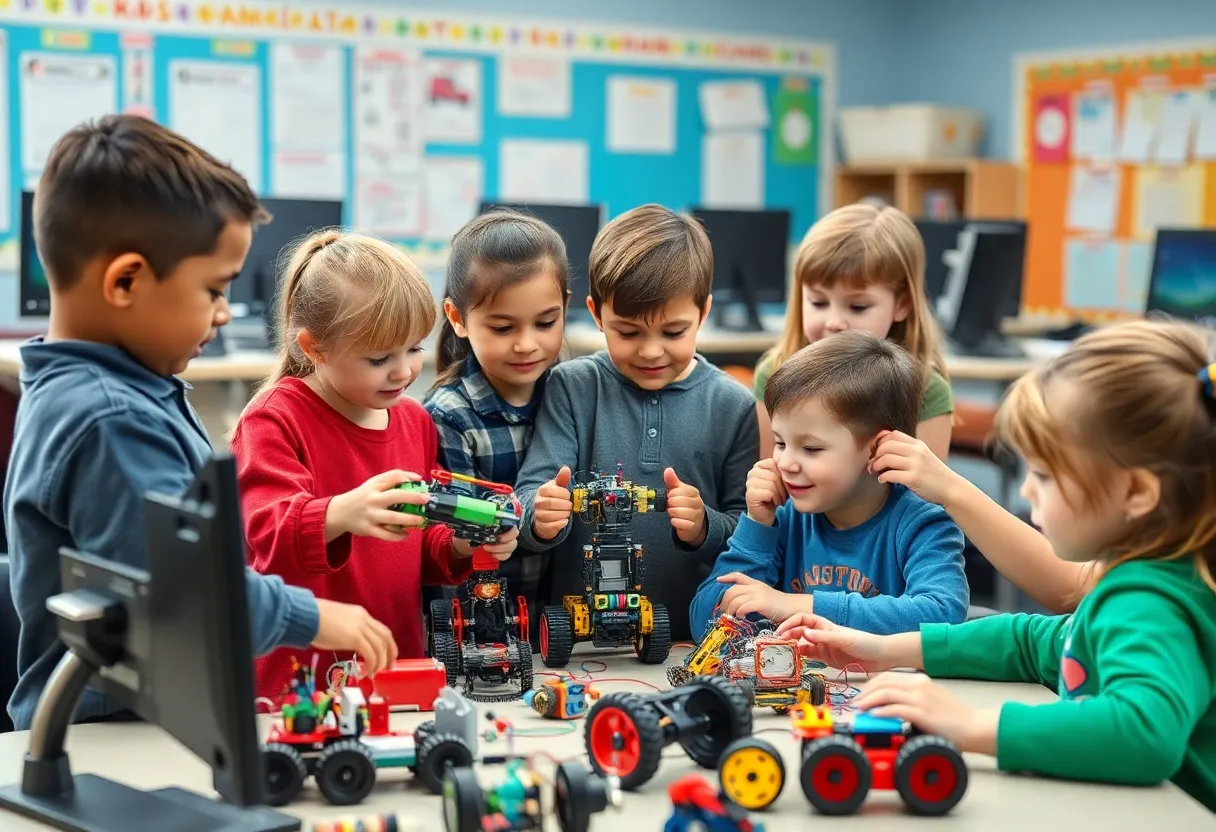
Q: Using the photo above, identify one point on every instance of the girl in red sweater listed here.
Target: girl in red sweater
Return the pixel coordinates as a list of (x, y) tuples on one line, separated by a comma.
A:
[(321, 447)]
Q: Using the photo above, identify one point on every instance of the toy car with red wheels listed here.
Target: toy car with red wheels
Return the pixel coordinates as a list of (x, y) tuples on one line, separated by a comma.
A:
[(626, 733), (515, 804), (697, 807)]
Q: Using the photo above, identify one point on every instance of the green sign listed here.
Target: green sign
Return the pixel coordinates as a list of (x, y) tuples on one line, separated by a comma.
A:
[(796, 124)]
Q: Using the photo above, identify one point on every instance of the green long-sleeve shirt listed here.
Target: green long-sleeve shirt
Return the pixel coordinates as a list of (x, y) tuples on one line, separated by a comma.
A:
[(1135, 668)]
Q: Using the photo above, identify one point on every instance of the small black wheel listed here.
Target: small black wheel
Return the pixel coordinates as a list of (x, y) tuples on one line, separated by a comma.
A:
[(556, 636), (447, 651), (835, 775), (930, 775), (653, 647), (578, 794), (729, 714), (346, 773), (463, 802), (624, 739), (436, 754), (659, 503), (814, 684), (521, 658), (752, 773), (285, 774)]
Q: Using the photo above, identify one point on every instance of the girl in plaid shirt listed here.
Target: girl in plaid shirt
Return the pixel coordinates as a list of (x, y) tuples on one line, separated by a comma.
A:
[(505, 308)]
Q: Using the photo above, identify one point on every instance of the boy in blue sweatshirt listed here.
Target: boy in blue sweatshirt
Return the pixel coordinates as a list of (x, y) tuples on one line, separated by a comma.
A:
[(140, 233), (821, 533)]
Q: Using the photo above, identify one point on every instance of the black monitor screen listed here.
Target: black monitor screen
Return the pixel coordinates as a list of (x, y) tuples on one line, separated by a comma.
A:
[(993, 256), (252, 294), (1183, 283), (939, 237), (577, 225), (751, 251), (35, 295)]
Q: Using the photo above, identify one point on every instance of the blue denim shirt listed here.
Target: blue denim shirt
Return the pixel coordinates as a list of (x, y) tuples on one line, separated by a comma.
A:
[(96, 430)]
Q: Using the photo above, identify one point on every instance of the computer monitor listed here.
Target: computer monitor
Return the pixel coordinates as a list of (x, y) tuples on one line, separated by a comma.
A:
[(577, 225), (173, 643), (34, 295), (940, 236), (252, 294), (983, 287), (751, 258), (1183, 280)]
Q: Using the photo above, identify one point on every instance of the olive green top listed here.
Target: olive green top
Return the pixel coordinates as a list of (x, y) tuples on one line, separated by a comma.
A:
[(938, 400)]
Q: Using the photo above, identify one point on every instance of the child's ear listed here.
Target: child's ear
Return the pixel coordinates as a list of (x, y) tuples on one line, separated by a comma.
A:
[(454, 318), (709, 304), (310, 347), (1143, 493), (123, 277), (903, 307), (594, 312)]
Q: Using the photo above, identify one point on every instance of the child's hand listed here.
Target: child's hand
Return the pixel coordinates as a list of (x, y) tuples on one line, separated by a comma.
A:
[(553, 506), (350, 627), (365, 511), (749, 596), (908, 461), (501, 550), (930, 708), (834, 645), (685, 509), (765, 492)]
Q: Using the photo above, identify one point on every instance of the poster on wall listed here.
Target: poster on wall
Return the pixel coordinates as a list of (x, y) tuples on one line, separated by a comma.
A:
[(6, 193), (454, 186), (641, 115), (388, 141), (58, 92), (137, 73), (536, 87), (732, 170), (544, 170), (1093, 128), (218, 106), (1205, 129), (795, 134), (453, 101), (308, 118), (1051, 128)]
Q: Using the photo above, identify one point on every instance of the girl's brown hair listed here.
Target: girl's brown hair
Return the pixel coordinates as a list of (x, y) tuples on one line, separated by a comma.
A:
[(1129, 396), (490, 253), (863, 245), (351, 291)]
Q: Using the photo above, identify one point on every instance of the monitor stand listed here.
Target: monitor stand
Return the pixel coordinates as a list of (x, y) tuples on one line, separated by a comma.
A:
[(49, 792), (990, 345), (741, 291)]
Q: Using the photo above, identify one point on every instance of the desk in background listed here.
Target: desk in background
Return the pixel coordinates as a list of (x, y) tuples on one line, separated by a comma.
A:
[(146, 758)]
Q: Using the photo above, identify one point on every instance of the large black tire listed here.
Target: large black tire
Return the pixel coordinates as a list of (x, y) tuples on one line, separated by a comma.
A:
[(521, 655), (577, 795), (653, 647), (447, 651), (556, 636), (624, 738), (751, 773), (346, 773), (835, 775), (463, 802), (438, 620), (437, 753), (729, 713), (930, 775), (285, 774)]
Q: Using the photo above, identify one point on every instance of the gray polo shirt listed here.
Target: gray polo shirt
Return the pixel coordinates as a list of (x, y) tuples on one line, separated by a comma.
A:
[(704, 426)]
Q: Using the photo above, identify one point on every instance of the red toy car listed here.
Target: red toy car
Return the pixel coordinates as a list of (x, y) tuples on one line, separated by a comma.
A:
[(409, 685)]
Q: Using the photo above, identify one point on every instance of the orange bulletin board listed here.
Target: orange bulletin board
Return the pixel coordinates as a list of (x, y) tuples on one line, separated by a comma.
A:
[(1092, 210)]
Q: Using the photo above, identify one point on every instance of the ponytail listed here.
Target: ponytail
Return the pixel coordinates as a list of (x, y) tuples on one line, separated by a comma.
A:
[(292, 362)]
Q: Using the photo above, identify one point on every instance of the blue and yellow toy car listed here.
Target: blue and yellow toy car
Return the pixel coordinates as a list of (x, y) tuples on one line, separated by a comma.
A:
[(696, 805), (561, 699)]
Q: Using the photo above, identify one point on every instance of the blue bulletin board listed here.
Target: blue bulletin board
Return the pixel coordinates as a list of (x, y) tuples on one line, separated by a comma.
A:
[(634, 121)]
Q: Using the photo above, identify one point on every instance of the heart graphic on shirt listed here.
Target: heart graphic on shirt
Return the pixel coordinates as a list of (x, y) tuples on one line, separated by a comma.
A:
[(1074, 674)]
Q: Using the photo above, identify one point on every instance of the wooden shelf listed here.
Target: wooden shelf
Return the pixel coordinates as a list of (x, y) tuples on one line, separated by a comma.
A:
[(982, 189)]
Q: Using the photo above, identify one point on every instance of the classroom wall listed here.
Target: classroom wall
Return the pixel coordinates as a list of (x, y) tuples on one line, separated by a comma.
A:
[(961, 52)]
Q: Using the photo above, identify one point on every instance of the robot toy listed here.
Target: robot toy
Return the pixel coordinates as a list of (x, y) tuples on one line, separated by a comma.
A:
[(612, 611), (481, 635), (697, 807), (515, 805), (561, 699)]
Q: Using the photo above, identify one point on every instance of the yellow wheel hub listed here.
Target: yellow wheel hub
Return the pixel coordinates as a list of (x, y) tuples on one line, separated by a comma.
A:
[(752, 773)]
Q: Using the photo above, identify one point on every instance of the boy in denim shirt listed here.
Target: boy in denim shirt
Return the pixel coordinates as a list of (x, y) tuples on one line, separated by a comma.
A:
[(140, 232)]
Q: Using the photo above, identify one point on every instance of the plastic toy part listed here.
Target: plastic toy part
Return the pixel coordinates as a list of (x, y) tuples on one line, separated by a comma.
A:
[(371, 823), (841, 763), (612, 611), (626, 733), (409, 685), (696, 807), (515, 803), (561, 699), (751, 773)]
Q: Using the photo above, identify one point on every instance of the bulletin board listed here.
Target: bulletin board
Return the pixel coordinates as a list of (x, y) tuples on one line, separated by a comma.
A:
[(411, 117), (1116, 143)]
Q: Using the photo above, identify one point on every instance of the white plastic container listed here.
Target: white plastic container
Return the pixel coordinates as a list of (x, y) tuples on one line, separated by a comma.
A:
[(909, 132)]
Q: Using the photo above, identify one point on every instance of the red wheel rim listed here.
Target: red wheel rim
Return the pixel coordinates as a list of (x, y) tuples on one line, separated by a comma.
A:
[(457, 621), (614, 743), (836, 778), (522, 606), (933, 778), (544, 636)]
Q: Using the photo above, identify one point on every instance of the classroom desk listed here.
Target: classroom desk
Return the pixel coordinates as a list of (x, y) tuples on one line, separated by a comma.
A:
[(145, 757)]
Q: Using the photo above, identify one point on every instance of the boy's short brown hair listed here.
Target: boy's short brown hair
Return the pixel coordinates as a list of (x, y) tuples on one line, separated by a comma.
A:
[(868, 383), (646, 257), (127, 184)]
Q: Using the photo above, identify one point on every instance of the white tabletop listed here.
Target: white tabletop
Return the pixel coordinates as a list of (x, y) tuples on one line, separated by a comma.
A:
[(145, 757)]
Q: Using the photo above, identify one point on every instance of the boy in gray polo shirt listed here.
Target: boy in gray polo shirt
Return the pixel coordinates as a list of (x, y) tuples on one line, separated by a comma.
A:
[(651, 404)]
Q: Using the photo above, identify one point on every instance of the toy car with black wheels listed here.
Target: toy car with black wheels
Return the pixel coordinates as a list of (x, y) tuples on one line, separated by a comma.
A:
[(515, 804), (842, 763), (697, 807), (626, 733)]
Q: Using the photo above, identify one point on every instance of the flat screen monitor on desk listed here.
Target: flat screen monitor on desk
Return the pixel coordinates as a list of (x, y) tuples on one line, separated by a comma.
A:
[(1183, 281), (34, 294), (577, 225), (751, 258), (940, 236), (983, 287)]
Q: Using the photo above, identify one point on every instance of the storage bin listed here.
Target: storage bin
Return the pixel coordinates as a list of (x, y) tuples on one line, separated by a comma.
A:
[(909, 132)]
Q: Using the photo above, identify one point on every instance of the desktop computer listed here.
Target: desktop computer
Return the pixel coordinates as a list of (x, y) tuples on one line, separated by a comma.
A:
[(34, 295), (751, 260), (983, 287), (1183, 279), (577, 225), (940, 237)]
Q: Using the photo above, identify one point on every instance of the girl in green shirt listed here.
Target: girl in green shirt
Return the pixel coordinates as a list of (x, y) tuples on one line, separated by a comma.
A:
[(1119, 434), (862, 267)]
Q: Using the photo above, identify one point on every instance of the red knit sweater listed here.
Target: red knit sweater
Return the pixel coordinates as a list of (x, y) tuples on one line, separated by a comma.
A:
[(294, 452)]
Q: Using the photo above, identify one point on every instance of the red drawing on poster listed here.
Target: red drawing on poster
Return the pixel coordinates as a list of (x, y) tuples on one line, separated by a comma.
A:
[(1052, 115)]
